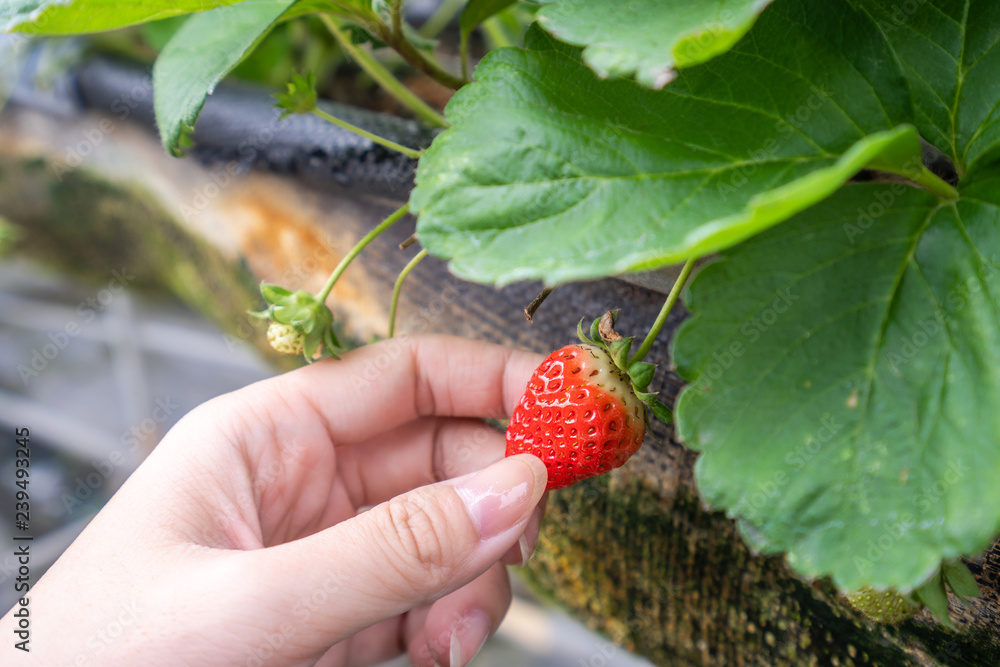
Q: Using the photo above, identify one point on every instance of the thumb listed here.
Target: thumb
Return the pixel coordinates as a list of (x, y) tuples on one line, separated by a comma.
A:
[(405, 552)]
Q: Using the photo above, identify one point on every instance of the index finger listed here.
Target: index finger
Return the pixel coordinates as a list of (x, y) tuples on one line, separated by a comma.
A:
[(379, 387)]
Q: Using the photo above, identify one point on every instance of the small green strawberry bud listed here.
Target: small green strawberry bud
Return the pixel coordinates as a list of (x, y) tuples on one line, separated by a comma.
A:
[(301, 95), (300, 323), (285, 339), (883, 606)]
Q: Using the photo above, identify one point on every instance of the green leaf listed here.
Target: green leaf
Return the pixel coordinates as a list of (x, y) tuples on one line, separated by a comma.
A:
[(551, 173), (649, 37), (200, 54), (845, 383), (950, 53), (70, 17), (477, 11)]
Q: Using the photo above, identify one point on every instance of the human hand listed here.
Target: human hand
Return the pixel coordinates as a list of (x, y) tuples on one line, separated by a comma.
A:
[(239, 541)]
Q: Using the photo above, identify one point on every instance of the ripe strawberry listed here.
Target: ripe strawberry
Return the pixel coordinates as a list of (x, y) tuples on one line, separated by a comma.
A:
[(883, 606), (582, 412)]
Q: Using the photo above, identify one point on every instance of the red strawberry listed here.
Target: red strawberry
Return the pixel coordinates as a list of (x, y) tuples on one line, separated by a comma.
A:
[(582, 413)]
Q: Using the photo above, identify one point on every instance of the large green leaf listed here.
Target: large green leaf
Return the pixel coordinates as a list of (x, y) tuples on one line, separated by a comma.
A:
[(550, 172), (950, 54), (649, 37), (206, 48), (845, 383), (67, 17)]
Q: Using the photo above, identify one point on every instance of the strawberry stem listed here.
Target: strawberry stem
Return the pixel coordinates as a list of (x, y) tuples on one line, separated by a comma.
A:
[(381, 141), (382, 76), (356, 250), (399, 286), (668, 305)]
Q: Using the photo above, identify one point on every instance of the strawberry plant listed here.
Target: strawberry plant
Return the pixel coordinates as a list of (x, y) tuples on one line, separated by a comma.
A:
[(836, 161)]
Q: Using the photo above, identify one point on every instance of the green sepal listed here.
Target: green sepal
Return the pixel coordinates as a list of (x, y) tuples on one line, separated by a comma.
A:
[(646, 397), (303, 311), (960, 580), (298, 315), (642, 374), (262, 314), (933, 595), (330, 343), (312, 343), (662, 412), (579, 332), (595, 330), (272, 292), (619, 350)]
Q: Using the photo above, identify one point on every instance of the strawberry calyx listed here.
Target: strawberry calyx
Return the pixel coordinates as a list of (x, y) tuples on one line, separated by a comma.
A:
[(641, 373), (304, 323)]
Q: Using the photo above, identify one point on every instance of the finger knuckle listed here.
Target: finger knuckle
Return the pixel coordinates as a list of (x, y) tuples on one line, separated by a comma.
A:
[(420, 534)]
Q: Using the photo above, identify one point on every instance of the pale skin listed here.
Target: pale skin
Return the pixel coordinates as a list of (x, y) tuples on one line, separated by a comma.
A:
[(243, 539)]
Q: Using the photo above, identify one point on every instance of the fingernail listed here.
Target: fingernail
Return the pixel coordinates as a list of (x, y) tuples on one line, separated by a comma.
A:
[(525, 550), (468, 638), (504, 494)]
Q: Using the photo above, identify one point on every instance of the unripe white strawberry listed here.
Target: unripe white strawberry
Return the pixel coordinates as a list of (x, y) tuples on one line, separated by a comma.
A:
[(285, 339), (883, 606)]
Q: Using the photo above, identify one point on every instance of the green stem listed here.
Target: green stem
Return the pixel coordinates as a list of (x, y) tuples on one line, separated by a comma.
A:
[(382, 76), (932, 182), (381, 141), (396, 12), (356, 250), (668, 305), (441, 17), (495, 32), (399, 286), (415, 56), (463, 52)]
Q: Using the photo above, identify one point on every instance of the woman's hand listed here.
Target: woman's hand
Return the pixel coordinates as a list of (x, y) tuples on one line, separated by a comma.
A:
[(244, 538)]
